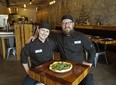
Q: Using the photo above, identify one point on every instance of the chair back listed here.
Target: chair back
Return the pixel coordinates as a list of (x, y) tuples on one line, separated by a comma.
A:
[(97, 46)]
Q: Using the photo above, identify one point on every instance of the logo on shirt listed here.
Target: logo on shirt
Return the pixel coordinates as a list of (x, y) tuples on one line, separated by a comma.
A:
[(77, 42), (38, 51)]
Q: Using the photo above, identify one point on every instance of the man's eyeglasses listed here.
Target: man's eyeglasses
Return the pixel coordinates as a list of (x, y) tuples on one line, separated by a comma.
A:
[(65, 23)]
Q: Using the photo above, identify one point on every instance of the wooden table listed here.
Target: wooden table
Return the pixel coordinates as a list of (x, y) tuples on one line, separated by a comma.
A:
[(105, 42), (3, 36), (48, 77)]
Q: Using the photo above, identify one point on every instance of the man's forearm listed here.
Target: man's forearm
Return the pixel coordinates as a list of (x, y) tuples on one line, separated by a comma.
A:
[(32, 38)]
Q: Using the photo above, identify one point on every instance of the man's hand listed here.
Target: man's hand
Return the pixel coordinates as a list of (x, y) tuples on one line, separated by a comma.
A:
[(86, 63), (32, 38)]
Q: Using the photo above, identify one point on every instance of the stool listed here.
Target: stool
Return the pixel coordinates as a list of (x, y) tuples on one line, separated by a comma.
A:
[(11, 47), (9, 50)]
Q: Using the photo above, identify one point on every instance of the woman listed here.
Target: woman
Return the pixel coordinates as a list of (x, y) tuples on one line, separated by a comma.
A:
[(40, 51)]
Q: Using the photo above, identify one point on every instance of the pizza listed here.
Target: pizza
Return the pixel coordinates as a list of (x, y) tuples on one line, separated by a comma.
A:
[(60, 66)]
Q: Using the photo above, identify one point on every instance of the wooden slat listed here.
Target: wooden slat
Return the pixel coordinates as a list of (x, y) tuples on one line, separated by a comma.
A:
[(3, 47), (17, 40), (22, 34)]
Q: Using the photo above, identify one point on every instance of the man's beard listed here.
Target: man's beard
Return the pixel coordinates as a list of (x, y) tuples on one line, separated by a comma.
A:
[(68, 32)]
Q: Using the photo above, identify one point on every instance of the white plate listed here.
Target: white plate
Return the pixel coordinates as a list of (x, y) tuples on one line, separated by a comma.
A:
[(58, 65)]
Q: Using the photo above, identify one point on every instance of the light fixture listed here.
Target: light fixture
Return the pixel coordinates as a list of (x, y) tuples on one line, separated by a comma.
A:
[(9, 9), (24, 5), (52, 2), (25, 9), (36, 9), (30, 3)]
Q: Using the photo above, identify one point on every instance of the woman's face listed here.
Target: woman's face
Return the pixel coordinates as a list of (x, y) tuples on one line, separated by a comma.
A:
[(43, 33)]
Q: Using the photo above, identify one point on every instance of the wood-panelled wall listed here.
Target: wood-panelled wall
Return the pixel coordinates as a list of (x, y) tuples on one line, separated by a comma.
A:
[(94, 9), (22, 34)]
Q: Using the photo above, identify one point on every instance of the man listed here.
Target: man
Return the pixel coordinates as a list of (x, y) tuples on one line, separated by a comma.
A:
[(40, 51), (71, 45)]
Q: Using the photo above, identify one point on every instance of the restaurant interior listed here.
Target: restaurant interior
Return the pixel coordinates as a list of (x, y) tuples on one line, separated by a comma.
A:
[(19, 19)]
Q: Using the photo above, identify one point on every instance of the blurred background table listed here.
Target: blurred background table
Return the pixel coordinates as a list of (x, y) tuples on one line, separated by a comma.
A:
[(3, 36), (104, 42)]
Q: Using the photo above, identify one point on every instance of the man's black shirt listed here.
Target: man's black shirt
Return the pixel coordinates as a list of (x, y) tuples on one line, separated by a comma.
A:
[(72, 47)]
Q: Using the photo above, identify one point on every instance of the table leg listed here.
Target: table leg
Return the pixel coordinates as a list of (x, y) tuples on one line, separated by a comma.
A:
[(3, 48), (105, 49)]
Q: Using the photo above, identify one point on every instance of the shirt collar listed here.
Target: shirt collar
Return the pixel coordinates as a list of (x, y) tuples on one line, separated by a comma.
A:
[(37, 39)]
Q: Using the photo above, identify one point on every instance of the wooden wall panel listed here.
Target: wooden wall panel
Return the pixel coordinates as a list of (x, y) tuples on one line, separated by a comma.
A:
[(22, 34), (18, 40)]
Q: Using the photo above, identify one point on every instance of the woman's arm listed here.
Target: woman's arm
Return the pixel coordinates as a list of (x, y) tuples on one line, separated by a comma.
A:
[(26, 67)]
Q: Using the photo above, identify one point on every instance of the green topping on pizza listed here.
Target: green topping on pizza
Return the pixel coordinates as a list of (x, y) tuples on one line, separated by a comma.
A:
[(59, 66)]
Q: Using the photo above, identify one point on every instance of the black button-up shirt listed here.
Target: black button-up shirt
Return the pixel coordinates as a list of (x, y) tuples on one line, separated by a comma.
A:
[(72, 47), (39, 52)]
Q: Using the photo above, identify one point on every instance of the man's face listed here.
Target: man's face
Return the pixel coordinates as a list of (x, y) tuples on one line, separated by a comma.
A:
[(67, 26), (43, 33)]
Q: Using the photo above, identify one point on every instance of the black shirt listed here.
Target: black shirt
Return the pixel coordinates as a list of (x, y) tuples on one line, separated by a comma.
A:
[(39, 52), (72, 47)]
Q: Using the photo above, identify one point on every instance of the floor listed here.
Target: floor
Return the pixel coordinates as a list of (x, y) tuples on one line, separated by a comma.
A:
[(12, 72)]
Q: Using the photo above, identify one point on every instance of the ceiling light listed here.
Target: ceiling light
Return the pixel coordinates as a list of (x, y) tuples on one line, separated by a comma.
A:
[(30, 3), (9, 9), (24, 9), (36, 9), (52, 2), (24, 5)]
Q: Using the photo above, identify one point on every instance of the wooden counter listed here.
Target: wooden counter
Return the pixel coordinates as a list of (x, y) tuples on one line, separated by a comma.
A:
[(111, 28), (103, 31), (95, 27)]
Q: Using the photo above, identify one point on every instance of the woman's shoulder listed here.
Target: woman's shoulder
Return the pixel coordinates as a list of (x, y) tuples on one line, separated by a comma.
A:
[(33, 42)]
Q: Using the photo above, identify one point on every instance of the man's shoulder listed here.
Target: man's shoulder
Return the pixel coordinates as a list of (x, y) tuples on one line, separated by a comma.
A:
[(55, 35), (57, 32), (50, 40), (80, 33)]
